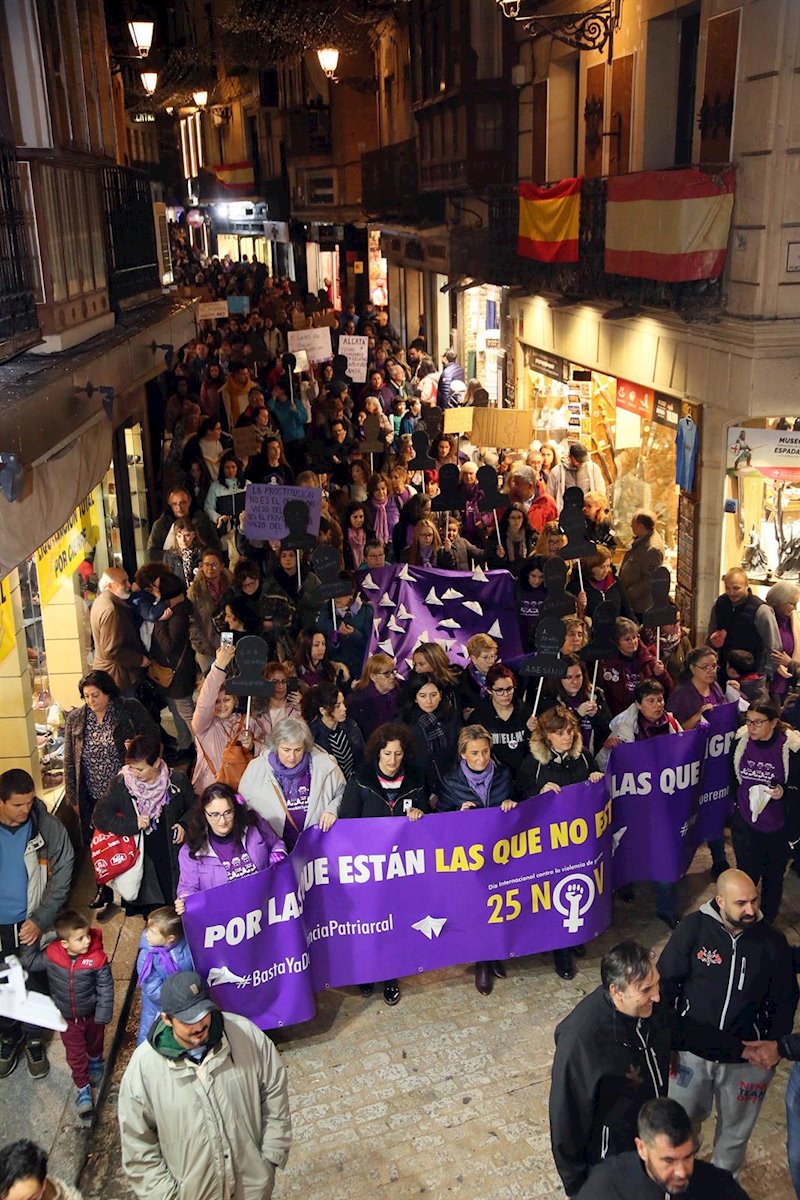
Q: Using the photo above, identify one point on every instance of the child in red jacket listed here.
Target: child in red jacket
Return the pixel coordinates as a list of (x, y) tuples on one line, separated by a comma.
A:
[(82, 989)]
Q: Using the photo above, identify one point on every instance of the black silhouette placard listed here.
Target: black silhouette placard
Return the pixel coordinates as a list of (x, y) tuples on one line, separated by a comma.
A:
[(546, 659), (603, 642), (559, 602), (265, 515), (231, 504), (251, 657), (422, 460), (433, 420), (372, 441), (297, 516), (573, 525), (326, 564), (662, 611), (492, 497), (449, 498)]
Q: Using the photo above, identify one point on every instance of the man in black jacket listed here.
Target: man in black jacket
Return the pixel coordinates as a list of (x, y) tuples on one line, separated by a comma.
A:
[(612, 1054), (740, 621), (729, 975), (663, 1163)]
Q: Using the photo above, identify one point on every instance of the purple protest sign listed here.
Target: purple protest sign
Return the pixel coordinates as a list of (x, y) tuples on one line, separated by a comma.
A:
[(670, 793), (378, 899), (264, 511), (420, 604)]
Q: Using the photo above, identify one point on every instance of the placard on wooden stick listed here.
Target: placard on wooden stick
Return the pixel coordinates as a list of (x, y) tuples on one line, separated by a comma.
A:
[(496, 427), (458, 420)]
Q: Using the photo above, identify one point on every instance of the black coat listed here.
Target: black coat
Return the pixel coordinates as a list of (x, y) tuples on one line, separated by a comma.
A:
[(456, 790), (116, 814), (364, 796), (170, 648), (130, 718), (624, 1177), (562, 769), (509, 738), (606, 1066)]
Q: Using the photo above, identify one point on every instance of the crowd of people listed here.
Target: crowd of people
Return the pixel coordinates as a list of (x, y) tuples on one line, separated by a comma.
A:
[(343, 734)]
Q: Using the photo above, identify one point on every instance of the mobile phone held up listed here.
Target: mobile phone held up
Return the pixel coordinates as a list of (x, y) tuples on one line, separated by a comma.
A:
[(226, 638)]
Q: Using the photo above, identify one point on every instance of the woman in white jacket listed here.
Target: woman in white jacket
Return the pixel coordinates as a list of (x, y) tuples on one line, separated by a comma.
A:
[(293, 784)]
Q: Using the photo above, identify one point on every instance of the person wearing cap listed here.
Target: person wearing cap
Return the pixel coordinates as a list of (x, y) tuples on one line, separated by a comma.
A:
[(577, 470), (203, 1105)]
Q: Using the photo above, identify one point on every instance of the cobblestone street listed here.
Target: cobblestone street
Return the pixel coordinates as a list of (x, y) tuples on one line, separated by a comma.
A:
[(446, 1095)]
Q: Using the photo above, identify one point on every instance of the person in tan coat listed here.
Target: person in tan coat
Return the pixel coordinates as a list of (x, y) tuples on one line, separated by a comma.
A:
[(117, 647), (645, 554)]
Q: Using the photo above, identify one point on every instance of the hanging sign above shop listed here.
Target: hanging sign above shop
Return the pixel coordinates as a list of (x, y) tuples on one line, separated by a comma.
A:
[(635, 398), (63, 553), (667, 410), (771, 452), (547, 364)]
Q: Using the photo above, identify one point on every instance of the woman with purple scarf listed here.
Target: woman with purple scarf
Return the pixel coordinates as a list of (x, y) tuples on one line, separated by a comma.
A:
[(148, 795), (478, 782), (766, 766), (293, 784)]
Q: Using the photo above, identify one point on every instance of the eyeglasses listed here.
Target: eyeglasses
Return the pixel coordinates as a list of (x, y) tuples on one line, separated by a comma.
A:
[(219, 816), (386, 674), (709, 666), (502, 691), (755, 724), (211, 566)]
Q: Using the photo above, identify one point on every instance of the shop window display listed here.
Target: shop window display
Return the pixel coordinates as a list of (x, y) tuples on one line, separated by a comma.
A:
[(762, 529)]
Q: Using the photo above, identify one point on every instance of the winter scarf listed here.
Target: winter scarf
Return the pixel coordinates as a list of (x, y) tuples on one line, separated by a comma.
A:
[(479, 781), (166, 962), (380, 510), (357, 540), (150, 798)]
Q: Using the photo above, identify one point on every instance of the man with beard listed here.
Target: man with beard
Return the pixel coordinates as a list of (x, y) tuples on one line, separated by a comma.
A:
[(663, 1163), (729, 973)]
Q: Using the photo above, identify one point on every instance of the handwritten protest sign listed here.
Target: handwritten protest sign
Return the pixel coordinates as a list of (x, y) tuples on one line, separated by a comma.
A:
[(265, 505), (355, 350), (214, 310), (315, 342)]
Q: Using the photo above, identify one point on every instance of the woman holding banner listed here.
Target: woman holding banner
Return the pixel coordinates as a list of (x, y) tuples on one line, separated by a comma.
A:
[(293, 784), (632, 663), (386, 785), (697, 691), (557, 759), (225, 840), (508, 719), (766, 766), (478, 782)]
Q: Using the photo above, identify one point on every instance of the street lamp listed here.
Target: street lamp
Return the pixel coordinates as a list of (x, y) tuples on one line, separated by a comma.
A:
[(200, 98), (149, 81), (329, 60), (142, 36)]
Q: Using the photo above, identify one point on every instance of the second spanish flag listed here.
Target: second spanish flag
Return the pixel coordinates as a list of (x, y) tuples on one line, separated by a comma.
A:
[(549, 221)]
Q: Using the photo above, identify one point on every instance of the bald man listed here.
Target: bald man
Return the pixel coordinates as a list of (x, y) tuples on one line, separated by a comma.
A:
[(730, 973), (117, 648), (740, 621)]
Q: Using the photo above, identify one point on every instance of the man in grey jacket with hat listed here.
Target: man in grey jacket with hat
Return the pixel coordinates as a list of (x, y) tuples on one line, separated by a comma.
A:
[(203, 1105)]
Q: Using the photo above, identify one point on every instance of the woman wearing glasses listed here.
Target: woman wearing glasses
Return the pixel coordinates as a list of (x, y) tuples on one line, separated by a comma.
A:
[(225, 840), (507, 718), (375, 698), (697, 691), (767, 770)]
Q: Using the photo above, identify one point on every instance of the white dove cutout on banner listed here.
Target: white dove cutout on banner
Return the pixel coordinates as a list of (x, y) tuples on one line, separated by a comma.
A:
[(495, 630), (369, 584), (403, 614), (376, 625), (448, 623), (474, 606), (452, 594), (392, 624), (387, 648), (480, 576), (432, 598), (423, 637), (430, 926), (386, 601), (406, 575)]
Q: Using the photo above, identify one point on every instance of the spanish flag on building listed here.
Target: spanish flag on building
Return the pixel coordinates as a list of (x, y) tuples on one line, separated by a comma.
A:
[(549, 221), (237, 178), (668, 225)]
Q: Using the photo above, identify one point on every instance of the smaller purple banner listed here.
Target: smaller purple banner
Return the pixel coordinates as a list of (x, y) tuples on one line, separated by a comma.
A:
[(264, 511), (670, 794), (376, 899)]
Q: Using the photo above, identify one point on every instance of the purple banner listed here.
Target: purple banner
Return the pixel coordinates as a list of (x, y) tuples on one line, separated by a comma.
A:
[(420, 604), (377, 899), (265, 519), (670, 794)]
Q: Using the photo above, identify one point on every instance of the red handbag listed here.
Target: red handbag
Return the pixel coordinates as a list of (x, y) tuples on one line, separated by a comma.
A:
[(113, 854)]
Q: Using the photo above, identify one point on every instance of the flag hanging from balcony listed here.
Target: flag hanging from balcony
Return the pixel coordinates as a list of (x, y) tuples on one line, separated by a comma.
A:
[(668, 225), (549, 221), (237, 178)]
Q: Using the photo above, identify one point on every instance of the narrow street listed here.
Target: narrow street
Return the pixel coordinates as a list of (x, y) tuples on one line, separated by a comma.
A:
[(446, 1095)]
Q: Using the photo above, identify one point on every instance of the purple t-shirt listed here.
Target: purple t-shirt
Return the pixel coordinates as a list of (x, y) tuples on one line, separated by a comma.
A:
[(762, 762), (233, 856), (685, 701)]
